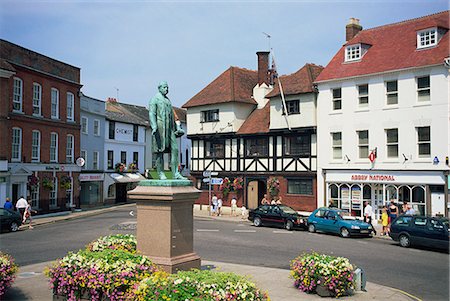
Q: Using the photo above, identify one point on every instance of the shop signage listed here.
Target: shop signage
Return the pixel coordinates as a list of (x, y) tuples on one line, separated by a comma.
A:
[(124, 131), (51, 167), (373, 178), (91, 177)]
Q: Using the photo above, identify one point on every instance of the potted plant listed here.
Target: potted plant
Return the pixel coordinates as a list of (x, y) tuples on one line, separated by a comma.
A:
[(273, 185), (47, 183), (132, 167), (65, 182), (8, 270), (120, 167)]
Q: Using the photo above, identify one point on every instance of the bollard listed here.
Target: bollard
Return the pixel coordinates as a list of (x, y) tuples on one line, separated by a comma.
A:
[(359, 280)]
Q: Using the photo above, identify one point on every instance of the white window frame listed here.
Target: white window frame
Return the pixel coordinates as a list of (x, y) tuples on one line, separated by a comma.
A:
[(96, 127), (353, 53), (84, 125), (335, 100), (54, 108), (35, 146), (54, 193), (363, 147), (423, 142), (427, 38), (95, 157), (34, 195), (53, 148), (419, 90), (69, 148), (391, 93), (83, 154), (336, 147), (363, 98), (18, 95), (37, 99), (16, 145), (70, 106), (390, 144)]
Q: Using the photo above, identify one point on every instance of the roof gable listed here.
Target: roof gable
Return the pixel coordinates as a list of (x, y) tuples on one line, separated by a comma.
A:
[(392, 47), (233, 85), (298, 82)]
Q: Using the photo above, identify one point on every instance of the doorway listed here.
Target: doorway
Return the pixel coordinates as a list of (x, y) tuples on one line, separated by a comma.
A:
[(15, 193), (255, 192)]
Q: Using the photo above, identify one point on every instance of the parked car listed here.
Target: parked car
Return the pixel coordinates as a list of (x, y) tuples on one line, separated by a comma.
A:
[(10, 220), (421, 230), (332, 220), (277, 215)]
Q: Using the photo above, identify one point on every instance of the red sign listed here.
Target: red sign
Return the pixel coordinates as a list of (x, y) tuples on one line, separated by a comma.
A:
[(390, 178), (372, 157)]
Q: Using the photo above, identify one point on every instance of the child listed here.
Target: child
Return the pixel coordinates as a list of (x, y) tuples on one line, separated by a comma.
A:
[(233, 206), (244, 212), (27, 214), (384, 221)]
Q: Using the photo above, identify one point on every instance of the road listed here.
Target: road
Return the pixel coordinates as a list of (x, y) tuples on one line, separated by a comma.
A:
[(420, 272)]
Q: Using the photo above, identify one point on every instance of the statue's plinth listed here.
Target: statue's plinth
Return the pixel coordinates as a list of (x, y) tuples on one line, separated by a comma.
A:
[(165, 222)]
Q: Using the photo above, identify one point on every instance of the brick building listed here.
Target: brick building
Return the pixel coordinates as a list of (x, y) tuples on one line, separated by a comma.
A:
[(39, 129)]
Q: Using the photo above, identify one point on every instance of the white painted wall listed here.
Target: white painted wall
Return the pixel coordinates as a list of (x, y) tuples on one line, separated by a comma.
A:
[(405, 116), (306, 118), (232, 113)]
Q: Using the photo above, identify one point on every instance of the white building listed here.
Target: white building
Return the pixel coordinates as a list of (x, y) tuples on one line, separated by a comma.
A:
[(385, 95)]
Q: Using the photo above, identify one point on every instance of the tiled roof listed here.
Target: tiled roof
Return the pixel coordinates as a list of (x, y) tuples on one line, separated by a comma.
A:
[(126, 113), (234, 85), (298, 82), (181, 114), (392, 47), (258, 122), (4, 65)]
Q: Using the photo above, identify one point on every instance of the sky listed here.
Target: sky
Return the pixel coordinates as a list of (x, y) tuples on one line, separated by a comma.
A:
[(125, 48)]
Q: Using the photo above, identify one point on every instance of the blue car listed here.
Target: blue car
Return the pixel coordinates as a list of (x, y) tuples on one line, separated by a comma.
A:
[(331, 220)]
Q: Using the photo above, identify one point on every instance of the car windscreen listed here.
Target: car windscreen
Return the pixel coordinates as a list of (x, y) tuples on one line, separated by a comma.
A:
[(287, 209), (445, 222)]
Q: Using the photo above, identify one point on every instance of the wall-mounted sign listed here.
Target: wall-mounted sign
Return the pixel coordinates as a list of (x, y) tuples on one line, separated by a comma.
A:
[(124, 131), (373, 178), (436, 161), (91, 177)]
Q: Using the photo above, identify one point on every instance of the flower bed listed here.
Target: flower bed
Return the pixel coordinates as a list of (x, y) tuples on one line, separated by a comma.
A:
[(313, 271), (105, 275), (8, 269), (198, 285), (124, 242)]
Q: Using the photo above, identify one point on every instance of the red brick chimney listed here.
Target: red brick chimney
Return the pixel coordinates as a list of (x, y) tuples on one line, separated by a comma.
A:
[(263, 67), (352, 29)]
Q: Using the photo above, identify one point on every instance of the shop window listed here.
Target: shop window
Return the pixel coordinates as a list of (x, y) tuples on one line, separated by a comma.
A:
[(404, 194), (345, 197), (391, 193), (367, 192), (418, 195), (111, 191)]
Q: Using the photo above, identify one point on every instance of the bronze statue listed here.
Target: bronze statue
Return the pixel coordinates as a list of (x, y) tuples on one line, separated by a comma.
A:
[(165, 130)]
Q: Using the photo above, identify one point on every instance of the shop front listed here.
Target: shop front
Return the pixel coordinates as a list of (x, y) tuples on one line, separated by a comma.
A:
[(91, 193), (349, 189), (117, 185)]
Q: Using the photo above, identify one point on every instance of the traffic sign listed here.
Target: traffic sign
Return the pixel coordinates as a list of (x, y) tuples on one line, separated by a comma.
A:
[(209, 173), (216, 181), (205, 180)]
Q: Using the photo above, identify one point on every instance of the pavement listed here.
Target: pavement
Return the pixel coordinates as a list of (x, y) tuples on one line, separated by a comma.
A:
[(31, 284)]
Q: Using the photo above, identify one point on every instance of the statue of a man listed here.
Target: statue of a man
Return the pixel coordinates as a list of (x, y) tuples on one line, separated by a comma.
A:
[(165, 131)]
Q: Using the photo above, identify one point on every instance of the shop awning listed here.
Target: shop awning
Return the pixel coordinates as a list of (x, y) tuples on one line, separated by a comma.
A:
[(126, 177)]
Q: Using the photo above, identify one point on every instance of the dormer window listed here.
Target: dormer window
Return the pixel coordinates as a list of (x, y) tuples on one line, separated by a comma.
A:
[(427, 38), (353, 53)]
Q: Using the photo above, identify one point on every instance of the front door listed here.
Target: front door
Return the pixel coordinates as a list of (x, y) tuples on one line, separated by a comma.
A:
[(252, 195), (15, 193)]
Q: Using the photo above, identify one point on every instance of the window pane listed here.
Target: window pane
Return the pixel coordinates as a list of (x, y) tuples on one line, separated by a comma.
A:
[(337, 93), (363, 151), (363, 89), (392, 99), (257, 147), (337, 153), (392, 135), (300, 186), (391, 86), (423, 82), (337, 138), (363, 137), (424, 149), (298, 145), (424, 95), (423, 133)]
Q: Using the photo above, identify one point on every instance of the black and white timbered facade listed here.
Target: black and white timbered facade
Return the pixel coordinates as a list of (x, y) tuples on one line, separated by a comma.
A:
[(251, 137)]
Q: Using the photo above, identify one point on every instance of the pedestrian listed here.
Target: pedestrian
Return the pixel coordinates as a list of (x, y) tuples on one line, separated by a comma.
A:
[(265, 200), (331, 204), (368, 212), (392, 211), (214, 204), (243, 212), (410, 210), (404, 207), (8, 204), (273, 202), (278, 201), (21, 205), (233, 206), (385, 220), (219, 206), (27, 214)]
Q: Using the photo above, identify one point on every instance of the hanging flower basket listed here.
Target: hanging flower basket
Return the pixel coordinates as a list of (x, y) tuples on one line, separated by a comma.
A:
[(225, 187), (238, 184), (132, 167), (273, 185), (65, 182), (120, 167), (47, 183), (33, 182)]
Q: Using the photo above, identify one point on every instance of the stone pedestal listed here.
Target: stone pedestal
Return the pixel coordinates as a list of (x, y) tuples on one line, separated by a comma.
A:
[(165, 223)]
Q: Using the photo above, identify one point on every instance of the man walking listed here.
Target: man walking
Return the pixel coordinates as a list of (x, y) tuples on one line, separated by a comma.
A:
[(368, 212), (21, 205)]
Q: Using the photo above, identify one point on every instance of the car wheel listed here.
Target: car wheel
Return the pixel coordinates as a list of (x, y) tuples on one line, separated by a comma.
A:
[(344, 232), (404, 241), (257, 221), (14, 227), (289, 225), (311, 228)]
